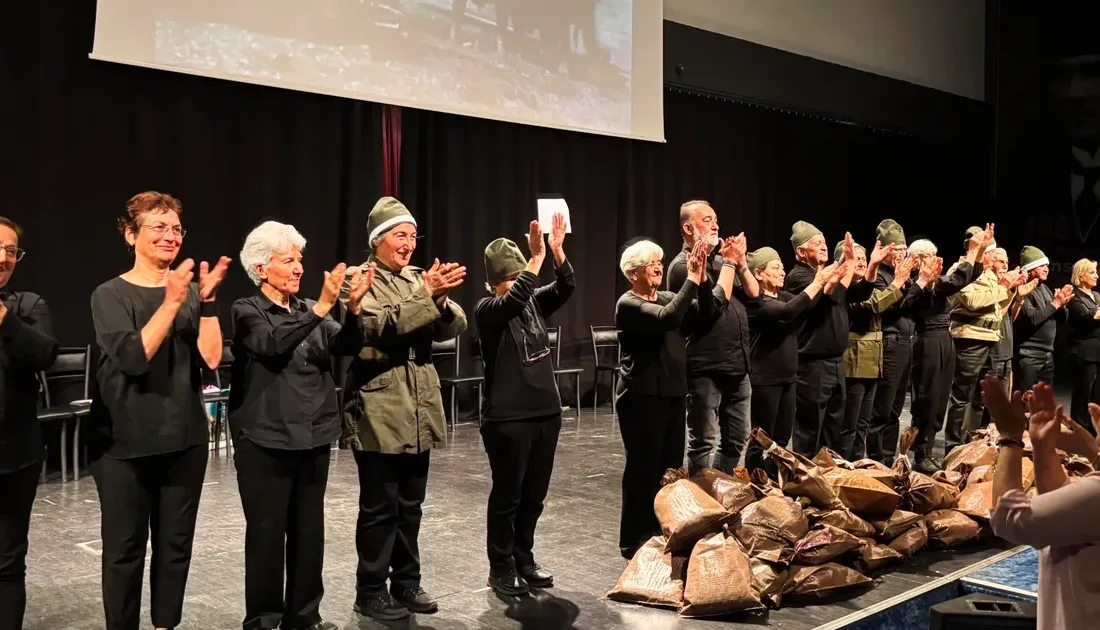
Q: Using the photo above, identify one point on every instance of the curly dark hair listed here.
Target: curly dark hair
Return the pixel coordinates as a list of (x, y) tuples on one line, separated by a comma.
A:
[(144, 203)]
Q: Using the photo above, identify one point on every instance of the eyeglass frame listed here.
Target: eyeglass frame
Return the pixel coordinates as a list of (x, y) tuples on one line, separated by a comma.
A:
[(160, 229), (18, 254)]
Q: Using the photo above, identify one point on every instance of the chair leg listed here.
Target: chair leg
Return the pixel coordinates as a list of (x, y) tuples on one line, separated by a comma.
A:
[(76, 450), (577, 391), (42, 475), (479, 405), (64, 451), (454, 409), (596, 393)]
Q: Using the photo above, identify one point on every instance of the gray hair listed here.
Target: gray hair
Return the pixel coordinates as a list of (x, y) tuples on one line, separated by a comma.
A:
[(922, 246), (639, 255), (262, 243), (376, 240)]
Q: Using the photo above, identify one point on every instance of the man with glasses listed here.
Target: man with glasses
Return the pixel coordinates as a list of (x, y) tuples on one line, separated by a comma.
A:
[(522, 408), (27, 346)]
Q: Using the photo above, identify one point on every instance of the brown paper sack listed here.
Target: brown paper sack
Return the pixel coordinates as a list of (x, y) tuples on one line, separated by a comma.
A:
[(844, 519), (902, 465), (980, 474), (873, 556), (686, 513), (731, 492), (673, 475), (952, 478), (824, 543), (763, 484), (965, 458), (862, 494), (951, 528), (769, 579), (823, 580), (653, 577), (898, 522), (876, 470), (798, 476), (912, 540), (771, 526), (719, 579), (1078, 466), (1027, 467), (925, 494), (828, 458), (977, 500)]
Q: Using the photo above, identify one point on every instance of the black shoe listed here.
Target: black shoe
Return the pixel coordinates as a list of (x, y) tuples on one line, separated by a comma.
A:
[(927, 466), (537, 576), (628, 552), (380, 606), (416, 600), (320, 625), (508, 583)]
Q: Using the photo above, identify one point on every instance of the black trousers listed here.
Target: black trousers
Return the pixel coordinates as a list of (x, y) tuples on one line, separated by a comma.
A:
[(933, 367), (1031, 367), (964, 406), (1086, 389), (157, 495), (521, 456), (17, 490), (819, 405), (858, 408), (882, 433), (773, 408), (283, 494), (718, 420), (653, 436), (391, 493)]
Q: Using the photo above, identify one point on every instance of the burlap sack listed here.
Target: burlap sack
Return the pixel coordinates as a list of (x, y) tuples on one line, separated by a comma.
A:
[(770, 527), (798, 476), (824, 543), (963, 459), (731, 492), (951, 528), (894, 526), (912, 540), (822, 580), (686, 513), (924, 494), (843, 519), (769, 579), (977, 500), (719, 579), (873, 556), (861, 494), (653, 577)]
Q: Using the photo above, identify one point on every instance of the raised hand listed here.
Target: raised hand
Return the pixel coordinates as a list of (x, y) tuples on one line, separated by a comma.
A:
[(178, 284), (1012, 279), (330, 290), (930, 270), (1043, 424), (734, 249), (697, 262), (557, 232), (1075, 439), (1094, 415), (904, 270), (440, 279), (211, 279), (849, 247), (827, 273), (535, 244), (1024, 289), (1063, 296), (361, 281), (880, 253), (1010, 416)]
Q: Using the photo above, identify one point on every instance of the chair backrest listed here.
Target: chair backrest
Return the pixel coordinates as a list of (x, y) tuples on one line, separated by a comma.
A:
[(450, 349), (554, 334), (69, 378), (604, 337), (223, 374)]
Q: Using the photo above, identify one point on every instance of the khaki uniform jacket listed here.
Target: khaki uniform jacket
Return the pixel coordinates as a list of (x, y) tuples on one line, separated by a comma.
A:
[(391, 400), (977, 310), (863, 358)]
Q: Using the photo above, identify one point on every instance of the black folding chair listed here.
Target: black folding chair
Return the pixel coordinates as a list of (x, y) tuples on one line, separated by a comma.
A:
[(65, 386), (555, 346), (604, 339), (452, 350), (220, 399)]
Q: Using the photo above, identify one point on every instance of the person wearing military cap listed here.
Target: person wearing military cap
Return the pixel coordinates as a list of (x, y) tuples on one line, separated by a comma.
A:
[(390, 423), (774, 320), (522, 407), (718, 353), (1036, 321), (822, 341)]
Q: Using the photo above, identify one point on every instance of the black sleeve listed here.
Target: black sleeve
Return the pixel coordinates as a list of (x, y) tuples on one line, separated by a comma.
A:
[(554, 296), (117, 334), (1081, 318), (858, 291), (637, 315), (784, 312), (495, 311), (1034, 312), (26, 334), (344, 339), (703, 309), (257, 334), (798, 279), (951, 283)]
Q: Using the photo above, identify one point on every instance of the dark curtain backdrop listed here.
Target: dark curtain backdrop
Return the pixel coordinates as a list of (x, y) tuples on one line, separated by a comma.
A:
[(471, 181), (81, 136)]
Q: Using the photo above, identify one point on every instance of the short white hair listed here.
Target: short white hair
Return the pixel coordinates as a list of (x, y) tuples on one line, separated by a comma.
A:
[(262, 243), (639, 255), (922, 246)]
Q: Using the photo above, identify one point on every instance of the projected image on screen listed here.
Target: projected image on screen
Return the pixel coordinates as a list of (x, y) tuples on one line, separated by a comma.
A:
[(563, 62)]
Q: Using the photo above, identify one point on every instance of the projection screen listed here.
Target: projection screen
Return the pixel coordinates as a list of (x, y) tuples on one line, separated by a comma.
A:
[(582, 65)]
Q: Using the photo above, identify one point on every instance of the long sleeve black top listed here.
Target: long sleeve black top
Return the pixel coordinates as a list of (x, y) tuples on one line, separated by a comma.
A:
[(824, 330), (1037, 323), (721, 345), (143, 406), (653, 338), (898, 319), (930, 309), (774, 323), (1084, 328), (282, 391), (27, 346), (515, 347)]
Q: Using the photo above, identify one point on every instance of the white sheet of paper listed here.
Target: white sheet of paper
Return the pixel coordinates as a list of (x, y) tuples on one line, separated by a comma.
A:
[(547, 209)]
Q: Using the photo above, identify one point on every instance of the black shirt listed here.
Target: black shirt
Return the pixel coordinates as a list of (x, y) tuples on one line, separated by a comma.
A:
[(720, 346), (653, 338), (1084, 328), (898, 319), (145, 406), (27, 347), (930, 309), (824, 330), (774, 323), (1037, 323), (515, 347), (282, 393)]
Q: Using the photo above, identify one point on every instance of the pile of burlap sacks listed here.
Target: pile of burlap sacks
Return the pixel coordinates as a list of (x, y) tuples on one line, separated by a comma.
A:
[(744, 543)]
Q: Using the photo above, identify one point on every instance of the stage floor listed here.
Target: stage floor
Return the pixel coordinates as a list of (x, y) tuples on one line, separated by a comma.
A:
[(576, 540)]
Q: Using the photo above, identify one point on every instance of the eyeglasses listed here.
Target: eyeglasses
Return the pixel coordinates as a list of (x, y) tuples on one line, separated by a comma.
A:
[(161, 229), (14, 252)]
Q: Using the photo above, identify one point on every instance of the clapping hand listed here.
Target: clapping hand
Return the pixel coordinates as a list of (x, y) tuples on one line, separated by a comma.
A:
[(734, 249), (441, 278), (930, 269), (849, 248), (881, 252), (697, 262), (557, 233), (535, 243), (178, 283), (1075, 439), (1044, 426), (982, 239), (360, 282), (1012, 279), (1010, 415), (1063, 296), (211, 279), (825, 274), (330, 290), (1024, 289)]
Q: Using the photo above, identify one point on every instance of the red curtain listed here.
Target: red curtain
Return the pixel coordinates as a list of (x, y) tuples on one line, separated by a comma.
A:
[(391, 150)]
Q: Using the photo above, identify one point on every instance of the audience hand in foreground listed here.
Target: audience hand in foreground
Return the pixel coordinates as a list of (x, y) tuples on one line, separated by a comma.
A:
[(1010, 415), (1075, 439)]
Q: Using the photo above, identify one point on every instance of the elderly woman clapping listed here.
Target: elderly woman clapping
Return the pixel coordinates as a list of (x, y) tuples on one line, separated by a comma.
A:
[(653, 329), (284, 417)]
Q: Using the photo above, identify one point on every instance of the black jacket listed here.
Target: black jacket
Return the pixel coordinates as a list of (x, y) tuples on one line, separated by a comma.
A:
[(1084, 328), (898, 319), (1037, 323)]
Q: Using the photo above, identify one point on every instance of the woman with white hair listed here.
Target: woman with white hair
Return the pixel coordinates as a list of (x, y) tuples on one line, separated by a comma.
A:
[(653, 329), (1084, 340), (284, 417)]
